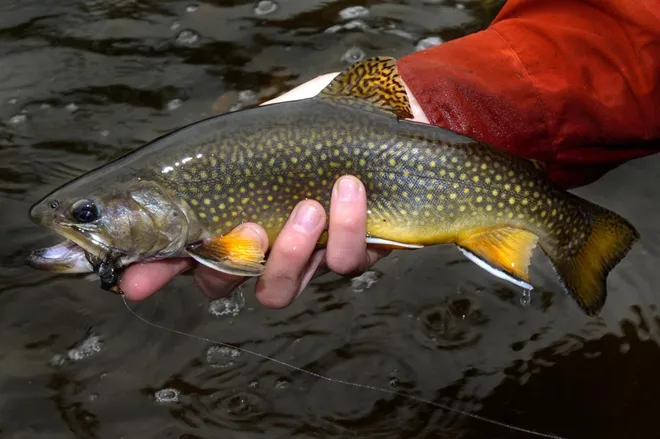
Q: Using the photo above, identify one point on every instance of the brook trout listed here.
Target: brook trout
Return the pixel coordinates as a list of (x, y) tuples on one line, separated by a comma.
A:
[(184, 192)]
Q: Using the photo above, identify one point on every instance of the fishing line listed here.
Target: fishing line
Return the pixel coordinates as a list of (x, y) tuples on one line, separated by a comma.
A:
[(338, 381)]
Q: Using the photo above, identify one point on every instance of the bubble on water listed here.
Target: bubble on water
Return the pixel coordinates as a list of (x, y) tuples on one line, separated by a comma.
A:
[(57, 360), (624, 348), (247, 96), (526, 297), (174, 104), (167, 396), (282, 384), (228, 306), (460, 6), (356, 24), (426, 43), (12, 101), (88, 347), (104, 133), (353, 12), (221, 356), (175, 25), (18, 119), (394, 382), (364, 281), (71, 107), (45, 106), (93, 397), (353, 55), (187, 38), (191, 8), (265, 7)]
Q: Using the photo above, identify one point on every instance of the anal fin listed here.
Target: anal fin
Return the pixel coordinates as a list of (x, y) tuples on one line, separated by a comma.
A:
[(505, 252), (231, 254)]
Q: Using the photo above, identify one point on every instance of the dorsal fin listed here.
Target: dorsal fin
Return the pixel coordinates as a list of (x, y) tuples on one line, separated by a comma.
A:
[(375, 80)]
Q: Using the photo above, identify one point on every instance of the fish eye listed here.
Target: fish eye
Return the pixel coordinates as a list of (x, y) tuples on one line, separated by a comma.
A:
[(85, 211), (54, 204)]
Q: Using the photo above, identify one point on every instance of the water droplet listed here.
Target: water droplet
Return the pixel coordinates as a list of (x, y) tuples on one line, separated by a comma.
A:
[(187, 38), (167, 396), (174, 104), (221, 356), (71, 107), (88, 347), (427, 43), (526, 297), (18, 119), (353, 12), (365, 281), (353, 55), (191, 8), (228, 306), (265, 7)]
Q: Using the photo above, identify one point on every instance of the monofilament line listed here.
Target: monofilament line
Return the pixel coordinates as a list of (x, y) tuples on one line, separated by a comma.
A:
[(338, 381)]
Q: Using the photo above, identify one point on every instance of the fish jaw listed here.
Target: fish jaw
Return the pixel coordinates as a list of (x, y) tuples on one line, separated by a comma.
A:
[(65, 257)]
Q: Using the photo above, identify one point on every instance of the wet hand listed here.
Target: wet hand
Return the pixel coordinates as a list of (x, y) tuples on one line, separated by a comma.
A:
[(293, 261)]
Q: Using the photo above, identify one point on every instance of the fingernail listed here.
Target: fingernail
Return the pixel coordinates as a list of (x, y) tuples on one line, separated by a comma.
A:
[(347, 188), (307, 217)]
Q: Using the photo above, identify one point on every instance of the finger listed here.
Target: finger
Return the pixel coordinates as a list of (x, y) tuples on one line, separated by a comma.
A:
[(140, 281), (290, 254), (347, 230), (216, 284)]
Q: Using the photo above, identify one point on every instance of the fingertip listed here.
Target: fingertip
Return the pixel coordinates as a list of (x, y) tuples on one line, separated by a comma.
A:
[(139, 281), (254, 231)]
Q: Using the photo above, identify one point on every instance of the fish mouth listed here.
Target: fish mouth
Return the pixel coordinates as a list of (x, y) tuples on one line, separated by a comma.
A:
[(64, 257)]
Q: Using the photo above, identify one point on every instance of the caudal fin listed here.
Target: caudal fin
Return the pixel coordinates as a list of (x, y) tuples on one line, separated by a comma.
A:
[(584, 274)]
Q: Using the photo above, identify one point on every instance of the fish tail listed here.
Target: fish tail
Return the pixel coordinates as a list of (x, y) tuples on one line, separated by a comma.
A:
[(584, 272)]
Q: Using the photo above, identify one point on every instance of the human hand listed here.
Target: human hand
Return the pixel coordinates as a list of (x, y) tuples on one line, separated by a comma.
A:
[(293, 261)]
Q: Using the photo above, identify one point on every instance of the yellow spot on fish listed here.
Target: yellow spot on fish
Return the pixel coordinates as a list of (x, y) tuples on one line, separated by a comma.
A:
[(202, 215), (442, 172), (452, 196), (524, 201), (466, 190), (475, 178), (194, 202), (554, 212), (392, 162), (207, 201), (432, 164), (489, 207), (498, 177), (461, 208), (429, 196), (495, 192), (440, 207), (512, 200), (216, 218), (517, 188), (480, 199)]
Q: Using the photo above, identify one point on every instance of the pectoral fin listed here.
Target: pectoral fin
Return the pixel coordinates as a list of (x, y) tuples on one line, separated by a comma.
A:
[(504, 252), (231, 254)]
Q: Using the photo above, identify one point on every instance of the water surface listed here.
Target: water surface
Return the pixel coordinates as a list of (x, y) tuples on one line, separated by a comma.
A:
[(82, 81)]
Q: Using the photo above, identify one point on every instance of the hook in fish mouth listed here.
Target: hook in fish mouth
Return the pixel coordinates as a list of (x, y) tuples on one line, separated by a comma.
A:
[(108, 269)]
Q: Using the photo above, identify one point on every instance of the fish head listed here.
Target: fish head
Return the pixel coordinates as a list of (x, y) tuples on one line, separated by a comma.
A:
[(112, 225)]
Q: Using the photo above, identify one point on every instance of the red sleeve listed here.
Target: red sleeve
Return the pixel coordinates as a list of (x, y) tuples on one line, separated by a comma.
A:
[(573, 83)]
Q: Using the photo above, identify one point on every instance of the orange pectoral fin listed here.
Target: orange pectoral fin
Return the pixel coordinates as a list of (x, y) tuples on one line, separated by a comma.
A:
[(231, 254), (505, 252)]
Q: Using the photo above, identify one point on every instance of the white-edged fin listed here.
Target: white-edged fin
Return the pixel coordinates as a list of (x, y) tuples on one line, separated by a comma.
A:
[(494, 271), (388, 243), (244, 270)]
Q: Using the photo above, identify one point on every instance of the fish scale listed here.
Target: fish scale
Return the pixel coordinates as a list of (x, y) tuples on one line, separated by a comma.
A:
[(185, 192)]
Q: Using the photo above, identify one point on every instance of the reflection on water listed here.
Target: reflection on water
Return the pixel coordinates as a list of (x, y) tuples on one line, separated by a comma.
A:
[(85, 80)]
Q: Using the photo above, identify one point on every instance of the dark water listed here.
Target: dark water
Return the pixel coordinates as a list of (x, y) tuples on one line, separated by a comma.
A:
[(83, 80)]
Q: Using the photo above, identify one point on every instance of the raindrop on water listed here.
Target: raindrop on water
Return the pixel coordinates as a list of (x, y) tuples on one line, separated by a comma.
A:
[(526, 297), (221, 356), (174, 104), (18, 119), (427, 43), (167, 396), (353, 55), (265, 7), (187, 38), (228, 306), (353, 12), (364, 281), (88, 347)]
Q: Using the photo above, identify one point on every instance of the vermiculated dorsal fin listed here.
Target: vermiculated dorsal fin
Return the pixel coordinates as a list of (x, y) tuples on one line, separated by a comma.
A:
[(375, 80)]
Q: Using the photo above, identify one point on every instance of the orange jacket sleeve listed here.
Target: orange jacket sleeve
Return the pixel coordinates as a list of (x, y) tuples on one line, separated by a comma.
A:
[(573, 83)]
